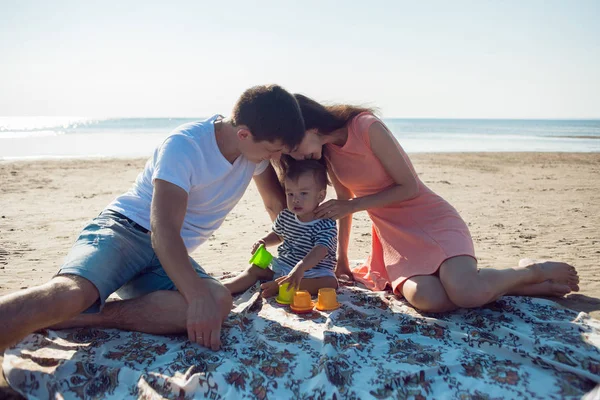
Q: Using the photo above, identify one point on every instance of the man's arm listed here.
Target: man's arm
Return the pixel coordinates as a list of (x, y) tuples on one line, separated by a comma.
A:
[(205, 310), (169, 205), (270, 191)]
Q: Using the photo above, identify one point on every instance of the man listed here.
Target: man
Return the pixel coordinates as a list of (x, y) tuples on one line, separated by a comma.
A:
[(139, 245)]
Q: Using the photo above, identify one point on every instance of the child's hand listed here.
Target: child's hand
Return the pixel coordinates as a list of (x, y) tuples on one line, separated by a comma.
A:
[(293, 278), (256, 245)]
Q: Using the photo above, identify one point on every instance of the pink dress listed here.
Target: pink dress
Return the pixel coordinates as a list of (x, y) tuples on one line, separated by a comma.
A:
[(412, 237)]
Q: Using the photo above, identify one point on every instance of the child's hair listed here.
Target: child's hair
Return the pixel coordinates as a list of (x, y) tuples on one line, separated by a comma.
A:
[(293, 169), (271, 113)]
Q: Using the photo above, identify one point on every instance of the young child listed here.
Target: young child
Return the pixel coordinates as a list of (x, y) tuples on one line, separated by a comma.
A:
[(306, 256)]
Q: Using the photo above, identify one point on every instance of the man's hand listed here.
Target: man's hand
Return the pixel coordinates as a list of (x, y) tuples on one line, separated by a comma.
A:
[(205, 314)]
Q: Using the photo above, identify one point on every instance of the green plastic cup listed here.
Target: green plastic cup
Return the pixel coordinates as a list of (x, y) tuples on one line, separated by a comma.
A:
[(285, 296), (261, 257)]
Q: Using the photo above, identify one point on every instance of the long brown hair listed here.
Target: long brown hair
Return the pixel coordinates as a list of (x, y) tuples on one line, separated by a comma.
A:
[(327, 118)]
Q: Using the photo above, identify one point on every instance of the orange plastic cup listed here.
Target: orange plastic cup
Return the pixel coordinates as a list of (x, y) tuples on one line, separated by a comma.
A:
[(302, 302), (285, 296), (327, 299)]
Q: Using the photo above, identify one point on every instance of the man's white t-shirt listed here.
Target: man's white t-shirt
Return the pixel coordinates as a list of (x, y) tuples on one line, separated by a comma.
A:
[(191, 159)]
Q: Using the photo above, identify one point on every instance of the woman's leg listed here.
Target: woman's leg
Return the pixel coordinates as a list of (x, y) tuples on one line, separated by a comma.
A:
[(426, 293), (467, 286)]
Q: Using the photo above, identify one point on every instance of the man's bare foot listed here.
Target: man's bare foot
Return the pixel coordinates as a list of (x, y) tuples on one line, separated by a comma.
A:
[(556, 272), (269, 289), (546, 289)]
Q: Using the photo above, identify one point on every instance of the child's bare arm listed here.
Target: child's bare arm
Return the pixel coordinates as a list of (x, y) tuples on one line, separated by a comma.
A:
[(269, 240), (315, 256)]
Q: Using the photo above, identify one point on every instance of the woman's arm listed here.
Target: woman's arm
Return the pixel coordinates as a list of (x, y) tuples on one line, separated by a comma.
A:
[(387, 150), (344, 228)]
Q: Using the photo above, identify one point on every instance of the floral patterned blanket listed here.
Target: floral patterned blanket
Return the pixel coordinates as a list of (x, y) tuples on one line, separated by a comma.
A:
[(373, 346)]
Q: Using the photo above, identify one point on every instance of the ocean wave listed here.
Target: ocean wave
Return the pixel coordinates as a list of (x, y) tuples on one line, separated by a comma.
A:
[(29, 134), (37, 124), (28, 126)]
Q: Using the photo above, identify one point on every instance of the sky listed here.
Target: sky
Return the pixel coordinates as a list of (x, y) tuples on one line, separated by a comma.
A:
[(412, 59)]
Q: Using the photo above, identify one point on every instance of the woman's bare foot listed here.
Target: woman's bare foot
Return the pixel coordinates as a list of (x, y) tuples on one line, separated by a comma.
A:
[(269, 289), (556, 272), (546, 289)]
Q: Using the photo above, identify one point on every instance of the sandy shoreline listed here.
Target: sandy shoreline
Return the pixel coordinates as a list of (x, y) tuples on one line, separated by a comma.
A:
[(538, 205)]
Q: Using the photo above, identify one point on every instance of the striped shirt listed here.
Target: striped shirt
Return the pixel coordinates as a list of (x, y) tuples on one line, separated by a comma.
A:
[(299, 238)]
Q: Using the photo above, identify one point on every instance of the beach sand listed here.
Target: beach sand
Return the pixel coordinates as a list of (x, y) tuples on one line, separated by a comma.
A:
[(537, 205)]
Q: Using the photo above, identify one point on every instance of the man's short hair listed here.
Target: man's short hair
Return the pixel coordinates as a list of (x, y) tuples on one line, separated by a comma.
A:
[(270, 113), (293, 169)]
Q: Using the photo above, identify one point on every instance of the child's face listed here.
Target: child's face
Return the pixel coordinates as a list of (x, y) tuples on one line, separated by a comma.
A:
[(303, 195)]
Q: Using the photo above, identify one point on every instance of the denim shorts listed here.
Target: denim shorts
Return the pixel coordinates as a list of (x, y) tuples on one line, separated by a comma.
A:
[(116, 255)]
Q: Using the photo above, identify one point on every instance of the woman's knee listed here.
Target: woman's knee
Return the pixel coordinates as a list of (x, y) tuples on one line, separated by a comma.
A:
[(462, 283), (427, 294)]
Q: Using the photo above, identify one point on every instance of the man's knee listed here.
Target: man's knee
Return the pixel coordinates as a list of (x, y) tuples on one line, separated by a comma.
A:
[(223, 295), (73, 291)]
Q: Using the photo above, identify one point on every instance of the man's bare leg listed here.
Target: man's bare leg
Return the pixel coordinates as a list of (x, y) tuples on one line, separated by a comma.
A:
[(29, 310), (161, 312)]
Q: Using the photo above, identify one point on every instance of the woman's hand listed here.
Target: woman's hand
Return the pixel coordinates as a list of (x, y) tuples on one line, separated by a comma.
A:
[(342, 270), (335, 209)]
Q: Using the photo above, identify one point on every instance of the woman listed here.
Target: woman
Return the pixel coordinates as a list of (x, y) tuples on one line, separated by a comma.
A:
[(421, 247)]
